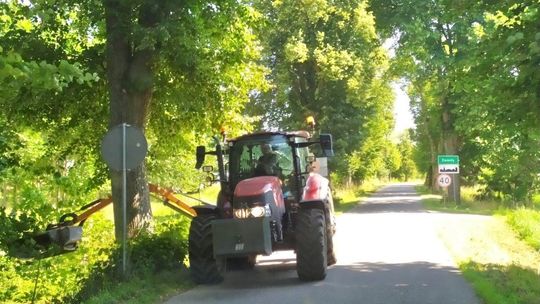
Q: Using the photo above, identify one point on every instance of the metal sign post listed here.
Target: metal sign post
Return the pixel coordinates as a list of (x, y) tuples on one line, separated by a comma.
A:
[(124, 198), (123, 148)]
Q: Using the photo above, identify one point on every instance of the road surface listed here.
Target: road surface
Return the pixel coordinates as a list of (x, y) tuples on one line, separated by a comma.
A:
[(387, 251)]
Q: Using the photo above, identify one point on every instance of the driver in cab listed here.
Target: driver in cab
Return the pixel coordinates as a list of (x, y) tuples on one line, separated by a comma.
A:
[(267, 163)]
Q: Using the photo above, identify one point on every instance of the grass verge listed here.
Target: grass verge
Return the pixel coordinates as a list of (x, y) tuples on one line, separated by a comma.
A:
[(468, 205), (497, 254), (526, 223), (152, 288)]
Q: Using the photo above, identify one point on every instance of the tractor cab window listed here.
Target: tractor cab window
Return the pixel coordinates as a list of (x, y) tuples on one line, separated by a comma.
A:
[(270, 155), (303, 153)]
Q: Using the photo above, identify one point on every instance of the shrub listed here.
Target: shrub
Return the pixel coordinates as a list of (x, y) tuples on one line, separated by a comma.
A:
[(75, 276)]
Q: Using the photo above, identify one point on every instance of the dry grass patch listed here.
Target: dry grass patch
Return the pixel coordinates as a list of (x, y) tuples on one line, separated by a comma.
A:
[(501, 267)]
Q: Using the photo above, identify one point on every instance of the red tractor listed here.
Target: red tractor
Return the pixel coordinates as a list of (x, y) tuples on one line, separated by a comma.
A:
[(270, 199)]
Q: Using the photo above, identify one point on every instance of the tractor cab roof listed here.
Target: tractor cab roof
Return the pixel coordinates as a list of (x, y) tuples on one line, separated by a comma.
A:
[(303, 134)]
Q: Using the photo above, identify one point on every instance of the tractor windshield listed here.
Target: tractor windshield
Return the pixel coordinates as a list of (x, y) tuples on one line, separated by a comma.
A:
[(259, 156)]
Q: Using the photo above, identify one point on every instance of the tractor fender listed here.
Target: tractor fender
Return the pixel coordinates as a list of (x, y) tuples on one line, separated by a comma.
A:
[(316, 192), (313, 204), (206, 209)]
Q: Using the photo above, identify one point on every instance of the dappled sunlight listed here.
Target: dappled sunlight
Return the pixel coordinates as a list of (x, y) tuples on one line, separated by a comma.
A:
[(388, 283), (387, 252), (486, 240)]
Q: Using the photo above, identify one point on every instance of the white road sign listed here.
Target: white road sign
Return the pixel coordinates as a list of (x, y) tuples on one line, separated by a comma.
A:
[(449, 169), (444, 180)]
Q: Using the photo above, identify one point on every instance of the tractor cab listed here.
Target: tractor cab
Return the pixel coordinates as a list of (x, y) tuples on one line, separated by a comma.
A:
[(285, 155), (269, 154)]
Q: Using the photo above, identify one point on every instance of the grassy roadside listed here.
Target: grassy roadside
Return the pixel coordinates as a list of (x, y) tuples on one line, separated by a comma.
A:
[(496, 249), (153, 288), (468, 204)]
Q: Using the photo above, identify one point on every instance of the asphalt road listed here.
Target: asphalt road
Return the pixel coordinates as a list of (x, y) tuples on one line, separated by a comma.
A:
[(387, 251)]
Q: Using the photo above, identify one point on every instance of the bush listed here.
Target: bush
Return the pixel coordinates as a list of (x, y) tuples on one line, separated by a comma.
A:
[(163, 250), (73, 277)]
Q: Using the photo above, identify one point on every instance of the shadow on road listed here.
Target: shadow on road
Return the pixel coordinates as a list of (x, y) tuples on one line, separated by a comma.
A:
[(417, 282), (387, 253)]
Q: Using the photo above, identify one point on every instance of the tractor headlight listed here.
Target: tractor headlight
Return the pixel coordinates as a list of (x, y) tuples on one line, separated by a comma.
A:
[(241, 213), (257, 211)]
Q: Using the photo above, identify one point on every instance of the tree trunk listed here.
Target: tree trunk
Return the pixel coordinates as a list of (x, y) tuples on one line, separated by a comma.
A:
[(129, 73), (450, 146)]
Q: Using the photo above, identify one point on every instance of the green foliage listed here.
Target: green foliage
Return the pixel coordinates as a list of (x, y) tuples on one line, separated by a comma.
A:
[(56, 98), (326, 60), (526, 223), (497, 119), (73, 269), (164, 249), (150, 288), (93, 266), (407, 167), (471, 68)]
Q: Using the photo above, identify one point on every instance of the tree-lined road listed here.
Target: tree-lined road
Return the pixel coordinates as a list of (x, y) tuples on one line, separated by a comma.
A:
[(387, 250)]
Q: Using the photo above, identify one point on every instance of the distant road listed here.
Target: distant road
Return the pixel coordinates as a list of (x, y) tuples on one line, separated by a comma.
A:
[(387, 250)]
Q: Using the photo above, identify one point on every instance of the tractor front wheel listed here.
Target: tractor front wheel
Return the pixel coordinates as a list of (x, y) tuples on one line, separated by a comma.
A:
[(204, 268), (311, 245)]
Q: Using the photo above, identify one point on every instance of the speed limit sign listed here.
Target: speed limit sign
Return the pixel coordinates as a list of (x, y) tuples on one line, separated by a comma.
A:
[(444, 180)]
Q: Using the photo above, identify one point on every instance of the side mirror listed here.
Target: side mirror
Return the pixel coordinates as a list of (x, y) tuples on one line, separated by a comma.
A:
[(326, 144), (201, 153)]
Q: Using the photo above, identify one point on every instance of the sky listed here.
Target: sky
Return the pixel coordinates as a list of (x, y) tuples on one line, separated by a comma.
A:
[(402, 114)]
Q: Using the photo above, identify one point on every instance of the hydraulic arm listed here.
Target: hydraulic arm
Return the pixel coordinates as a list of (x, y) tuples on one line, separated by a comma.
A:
[(65, 235)]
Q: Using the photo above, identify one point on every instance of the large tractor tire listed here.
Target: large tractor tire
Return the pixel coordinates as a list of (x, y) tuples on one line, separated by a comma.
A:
[(311, 245), (204, 268)]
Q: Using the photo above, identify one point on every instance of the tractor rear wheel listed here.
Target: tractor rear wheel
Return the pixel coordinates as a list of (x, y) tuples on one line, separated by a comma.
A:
[(311, 245), (204, 268)]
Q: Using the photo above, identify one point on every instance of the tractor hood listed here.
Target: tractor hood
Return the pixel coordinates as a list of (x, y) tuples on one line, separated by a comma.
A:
[(259, 187)]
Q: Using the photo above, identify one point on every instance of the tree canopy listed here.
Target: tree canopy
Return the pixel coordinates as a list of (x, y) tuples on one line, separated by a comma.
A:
[(72, 69), (326, 60), (470, 68)]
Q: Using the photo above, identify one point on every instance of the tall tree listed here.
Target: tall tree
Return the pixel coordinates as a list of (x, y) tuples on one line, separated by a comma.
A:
[(325, 60), (174, 69), (499, 106), (432, 39), (471, 63)]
